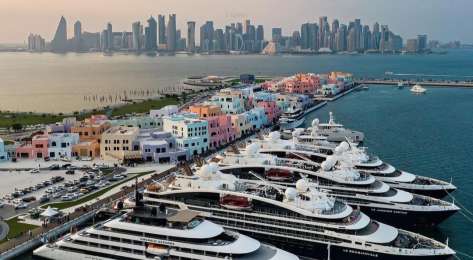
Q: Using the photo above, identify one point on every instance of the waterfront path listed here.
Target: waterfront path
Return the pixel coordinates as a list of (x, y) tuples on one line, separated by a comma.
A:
[(459, 84), (3, 229)]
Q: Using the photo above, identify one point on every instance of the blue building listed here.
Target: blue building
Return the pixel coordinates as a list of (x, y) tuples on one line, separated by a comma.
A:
[(3, 153), (191, 133)]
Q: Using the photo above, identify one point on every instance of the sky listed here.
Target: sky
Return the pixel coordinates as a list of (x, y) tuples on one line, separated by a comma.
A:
[(443, 20)]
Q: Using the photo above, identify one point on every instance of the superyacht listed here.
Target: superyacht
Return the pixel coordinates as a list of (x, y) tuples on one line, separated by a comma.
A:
[(291, 118), (159, 233), (360, 190), (312, 147), (301, 219)]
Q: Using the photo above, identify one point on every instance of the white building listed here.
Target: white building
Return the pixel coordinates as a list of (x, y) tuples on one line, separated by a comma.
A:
[(118, 143), (3, 153), (165, 111), (191, 133), (60, 144)]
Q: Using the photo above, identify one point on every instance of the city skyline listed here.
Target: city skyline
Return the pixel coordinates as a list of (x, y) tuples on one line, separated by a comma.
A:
[(43, 15)]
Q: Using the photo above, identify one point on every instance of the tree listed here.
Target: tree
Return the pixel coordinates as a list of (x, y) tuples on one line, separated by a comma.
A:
[(17, 127)]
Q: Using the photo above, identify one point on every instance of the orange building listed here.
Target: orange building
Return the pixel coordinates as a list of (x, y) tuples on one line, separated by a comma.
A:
[(90, 133)]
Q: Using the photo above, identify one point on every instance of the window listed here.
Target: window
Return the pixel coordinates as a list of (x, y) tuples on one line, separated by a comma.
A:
[(53, 144)]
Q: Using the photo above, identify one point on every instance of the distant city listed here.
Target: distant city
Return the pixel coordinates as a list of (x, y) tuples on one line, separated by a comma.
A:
[(162, 36)]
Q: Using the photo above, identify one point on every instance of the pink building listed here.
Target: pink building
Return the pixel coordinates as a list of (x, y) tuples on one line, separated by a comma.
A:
[(271, 110), (37, 148), (221, 131), (302, 84)]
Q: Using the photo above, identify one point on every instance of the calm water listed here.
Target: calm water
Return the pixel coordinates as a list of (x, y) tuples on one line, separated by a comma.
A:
[(57, 83), (427, 135)]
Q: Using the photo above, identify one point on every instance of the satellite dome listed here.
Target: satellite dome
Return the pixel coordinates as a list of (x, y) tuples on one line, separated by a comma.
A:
[(252, 149), (274, 136), (302, 185), (290, 194), (338, 150), (315, 122), (205, 171), (328, 164), (344, 146), (213, 167)]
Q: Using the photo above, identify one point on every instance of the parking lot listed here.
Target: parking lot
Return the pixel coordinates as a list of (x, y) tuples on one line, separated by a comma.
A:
[(23, 190)]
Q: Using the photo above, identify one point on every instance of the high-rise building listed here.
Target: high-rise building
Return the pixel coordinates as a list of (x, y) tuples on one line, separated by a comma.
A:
[(247, 25), (171, 33), (206, 36), (323, 31), (136, 30), (305, 36), (191, 36), (77, 36), (36, 42), (384, 41), (421, 42), (162, 29), (341, 38), (219, 40), (276, 34), (59, 42), (109, 37), (296, 39), (411, 45), (151, 35), (260, 33), (375, 37), (365, 38)]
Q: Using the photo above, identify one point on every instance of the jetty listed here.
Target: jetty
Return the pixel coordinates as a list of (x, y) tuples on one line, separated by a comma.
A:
[(430, 83)]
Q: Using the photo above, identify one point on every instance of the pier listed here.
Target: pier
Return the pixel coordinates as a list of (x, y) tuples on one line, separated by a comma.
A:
[(430, 83)]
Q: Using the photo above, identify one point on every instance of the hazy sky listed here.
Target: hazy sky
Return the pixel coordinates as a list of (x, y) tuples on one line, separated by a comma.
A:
[(441, 19)]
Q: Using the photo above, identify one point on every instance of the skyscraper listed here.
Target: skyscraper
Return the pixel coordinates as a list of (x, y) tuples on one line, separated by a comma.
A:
[(276, 34), (375, 37), (162, 29), (151, 35), (77, 36), (305, 36), (260, 33), (206, 36), (421, 42), (59, 42), (323, 25), (191, 36), (171, 33), (136, 31), (109, 37)]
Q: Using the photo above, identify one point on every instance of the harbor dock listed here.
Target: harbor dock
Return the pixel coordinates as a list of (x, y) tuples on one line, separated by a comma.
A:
[(436, 83)]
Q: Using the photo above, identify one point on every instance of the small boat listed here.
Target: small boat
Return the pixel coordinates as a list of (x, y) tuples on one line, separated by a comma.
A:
[(235, 202), (365, 87), (278, 175), (418, 89), (400, 85)]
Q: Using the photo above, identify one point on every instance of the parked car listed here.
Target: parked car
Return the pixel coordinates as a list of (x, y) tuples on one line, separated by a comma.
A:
[(117, 177), (66, 197), (29, 199), (54, 167), (70, 172), (35, 170), (43, 199), (21, 206)]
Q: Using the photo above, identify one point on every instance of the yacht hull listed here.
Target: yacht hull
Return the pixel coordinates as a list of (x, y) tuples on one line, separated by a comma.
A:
[(321, 251), (407, 219)]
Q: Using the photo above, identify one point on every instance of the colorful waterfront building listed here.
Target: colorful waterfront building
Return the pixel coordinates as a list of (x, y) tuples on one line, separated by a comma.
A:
[(331, 89), (3, 152), (241, 125), (301, 83), (230, 101), (36, 148), (90, 132), (61, 127), (142, 122), (164, 111), (271, 110), (118, 143), (221, 131), (191, 133), (160, 147), (256, 118), (60, 144)]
